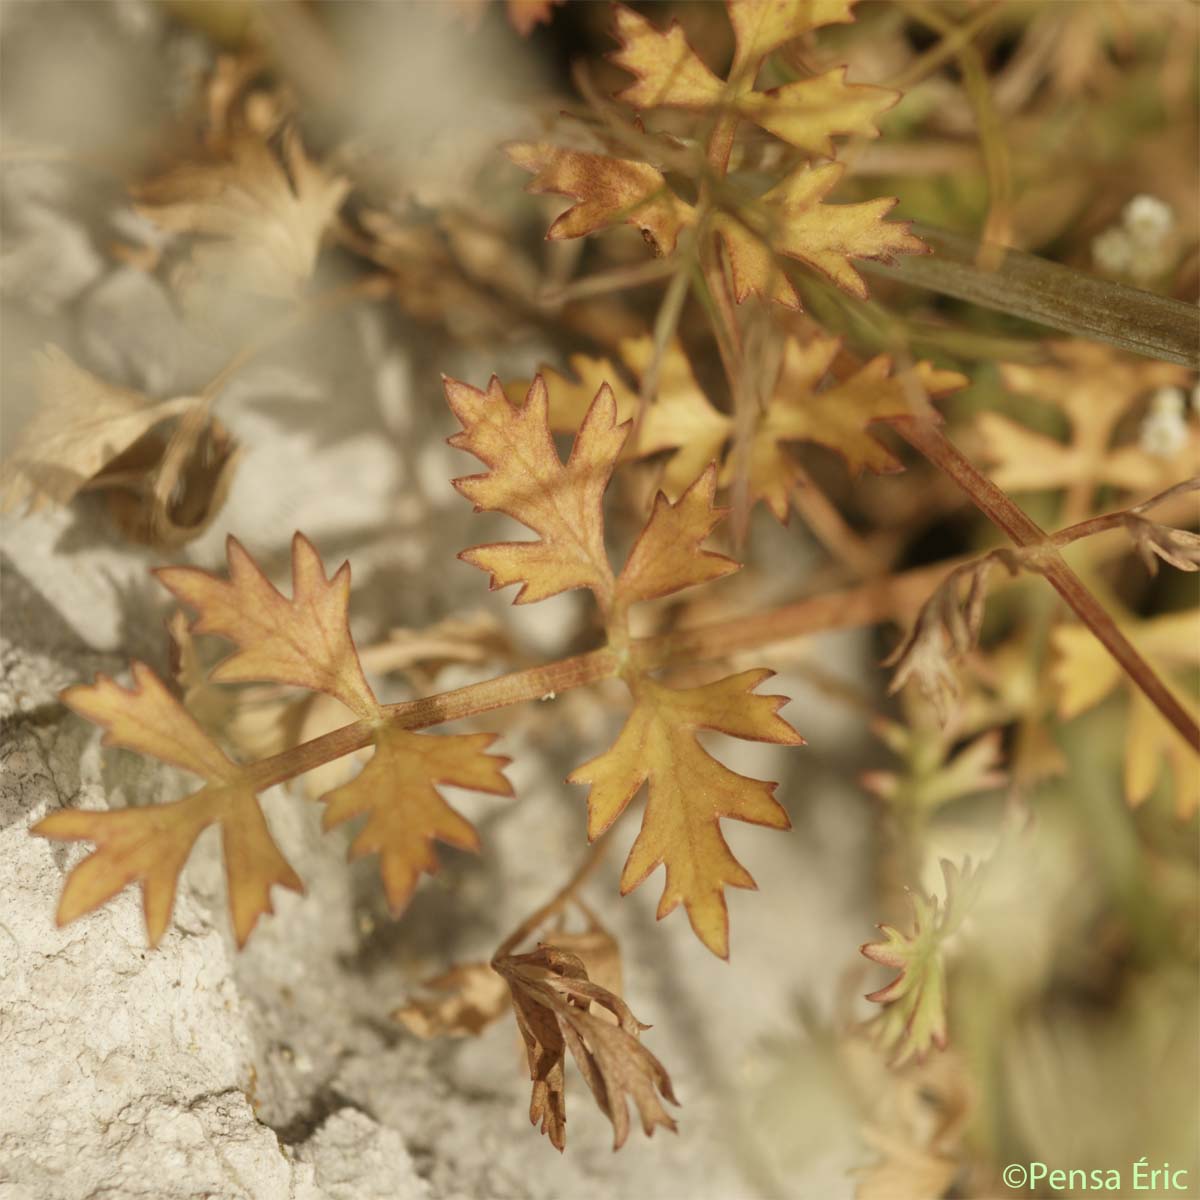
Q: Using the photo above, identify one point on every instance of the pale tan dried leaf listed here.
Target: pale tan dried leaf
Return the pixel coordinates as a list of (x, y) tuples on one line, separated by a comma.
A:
[(172, 490), (263, 217), (947, 628), (81, 427), (468, 998), (904, 1172)]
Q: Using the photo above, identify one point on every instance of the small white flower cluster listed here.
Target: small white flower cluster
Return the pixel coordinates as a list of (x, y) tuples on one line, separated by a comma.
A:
[(1164, 431), (1142, 245)]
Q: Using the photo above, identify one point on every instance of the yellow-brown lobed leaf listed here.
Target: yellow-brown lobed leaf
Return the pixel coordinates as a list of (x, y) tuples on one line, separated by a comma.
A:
[(528, 481), (837, 417), (397, 791), (552, 996), (682, 420), (792, 219), (761, 26), (667, 556), (806, 113), (1094, 386), (304, 641), (610, 191), (690, 792), (809, 113), (679, 418), (147, 718), (669, 72), (151, 845), (1084, 675)]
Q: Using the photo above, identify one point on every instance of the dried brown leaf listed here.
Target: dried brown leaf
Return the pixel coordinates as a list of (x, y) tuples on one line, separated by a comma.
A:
[(468, 998), (165, 466), (552, 997)]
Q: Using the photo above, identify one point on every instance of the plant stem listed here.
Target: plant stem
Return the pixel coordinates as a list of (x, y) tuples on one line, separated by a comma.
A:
[(593, 858), (864, 605), (1055, 296), (830, 528), (1003, 512), (536, 683)]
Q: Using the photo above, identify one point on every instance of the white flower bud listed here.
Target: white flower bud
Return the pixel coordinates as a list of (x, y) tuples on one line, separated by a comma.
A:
[(1112, 251), (1163, 431), (1167, 400), (1148, 221)]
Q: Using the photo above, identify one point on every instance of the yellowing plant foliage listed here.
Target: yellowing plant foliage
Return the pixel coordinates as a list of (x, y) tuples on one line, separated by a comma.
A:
[(738, 186)]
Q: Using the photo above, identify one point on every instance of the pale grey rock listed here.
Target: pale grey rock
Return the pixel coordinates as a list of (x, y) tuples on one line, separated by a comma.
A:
[(354, 1158), (132, 334), (49, 258)]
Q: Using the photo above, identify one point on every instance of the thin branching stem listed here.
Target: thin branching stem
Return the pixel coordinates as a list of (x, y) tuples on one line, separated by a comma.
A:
[(560, 899), (865, 605), (926, 438)]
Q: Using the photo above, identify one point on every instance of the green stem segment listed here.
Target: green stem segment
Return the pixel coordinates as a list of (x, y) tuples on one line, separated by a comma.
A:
[(1053, 295)]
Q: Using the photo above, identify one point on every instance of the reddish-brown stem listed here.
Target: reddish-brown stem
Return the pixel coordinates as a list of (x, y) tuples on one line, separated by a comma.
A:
[(829, 527), (1114, 520), (720, 143), (1085, 529), (537, 683), (926, 438), (865, 605), (558, 901)]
